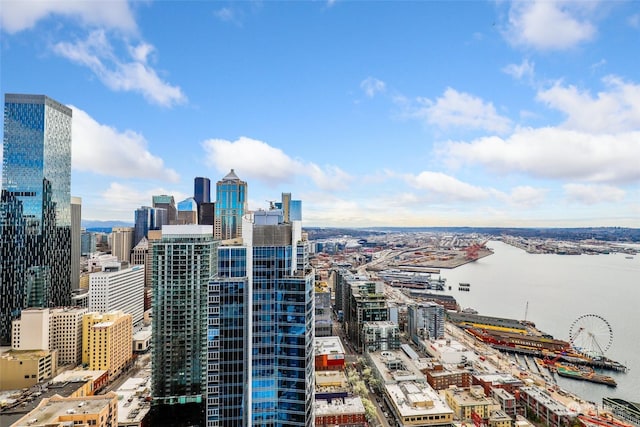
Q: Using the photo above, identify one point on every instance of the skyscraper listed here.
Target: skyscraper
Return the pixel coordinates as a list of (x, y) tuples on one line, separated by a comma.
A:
[(76, 230), (231, 204), (141, 223), (121, 242), (166, 202), (201, 190), (35, 207), (183, 262), (260, 330)]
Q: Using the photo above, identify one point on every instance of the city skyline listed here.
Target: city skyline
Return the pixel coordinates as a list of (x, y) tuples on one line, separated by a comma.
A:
[(421, 114)]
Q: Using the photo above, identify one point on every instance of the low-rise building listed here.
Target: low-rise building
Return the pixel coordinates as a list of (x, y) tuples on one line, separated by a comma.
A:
[(506, 400), (329, 353), (134, 401), (417, 404), (470, 403), (448, 351), (489, 381), (25, 368), (90, 382), (441, 376), (58, 411), (343, 411), (539, 403)]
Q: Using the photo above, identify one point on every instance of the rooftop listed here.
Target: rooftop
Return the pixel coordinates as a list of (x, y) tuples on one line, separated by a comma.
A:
[(339, 406), (50, 410), (412, 398), (328, 345)]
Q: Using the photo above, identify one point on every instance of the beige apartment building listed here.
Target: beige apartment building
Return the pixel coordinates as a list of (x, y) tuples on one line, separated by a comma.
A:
[(107, 341)]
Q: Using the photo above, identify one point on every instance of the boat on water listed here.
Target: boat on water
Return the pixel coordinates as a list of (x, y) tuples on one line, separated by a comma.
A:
[(583, 373)]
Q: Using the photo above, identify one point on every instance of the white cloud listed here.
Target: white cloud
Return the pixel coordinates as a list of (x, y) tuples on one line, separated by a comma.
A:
[(615, 110), (459, 109), (553, 153), (135, 74), (593, 194), (519, 71), (371, 86), (104, 150), (19, 15), (526, 196), (258, 160), (634, 21), (550, 24), (446, 187), (119, 201)]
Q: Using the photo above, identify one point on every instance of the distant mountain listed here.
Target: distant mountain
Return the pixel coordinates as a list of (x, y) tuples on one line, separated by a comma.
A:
[(103, 226)]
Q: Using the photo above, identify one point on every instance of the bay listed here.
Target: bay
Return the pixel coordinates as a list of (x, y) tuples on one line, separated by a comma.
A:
[(553, 291)]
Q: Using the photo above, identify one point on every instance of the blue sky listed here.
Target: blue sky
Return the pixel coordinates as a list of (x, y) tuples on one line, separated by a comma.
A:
[(371, 112)]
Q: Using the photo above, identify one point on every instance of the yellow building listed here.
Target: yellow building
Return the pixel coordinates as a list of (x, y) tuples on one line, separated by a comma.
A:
[(470, 400), (57, 411), (107, 341), (24, 368)]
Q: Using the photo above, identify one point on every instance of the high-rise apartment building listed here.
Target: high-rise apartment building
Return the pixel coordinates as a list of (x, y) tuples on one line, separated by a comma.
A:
[(260, 330), (76, 230), (201, 190), (114, 288), (107, 341), (425, 321), (121, 242), (35, 207), (230, 206), (183, 262)]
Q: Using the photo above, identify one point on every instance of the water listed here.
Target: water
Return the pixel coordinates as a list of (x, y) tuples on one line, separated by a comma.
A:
[(553, 291)]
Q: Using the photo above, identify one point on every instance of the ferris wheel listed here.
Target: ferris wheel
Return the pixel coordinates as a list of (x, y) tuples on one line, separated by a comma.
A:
[(591, 335)]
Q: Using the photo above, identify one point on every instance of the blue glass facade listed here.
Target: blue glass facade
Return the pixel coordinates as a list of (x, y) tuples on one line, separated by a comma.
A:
[(231, 204), (263, 361), (35, 206), (202, 190)]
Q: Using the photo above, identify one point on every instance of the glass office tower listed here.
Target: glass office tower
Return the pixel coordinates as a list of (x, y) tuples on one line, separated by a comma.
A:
[(260, 336), (35, 207), (183, 262), (201, 190), (230, 206)]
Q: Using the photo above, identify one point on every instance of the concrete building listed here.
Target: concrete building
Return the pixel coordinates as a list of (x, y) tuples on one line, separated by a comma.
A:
[(506, 400), (168, 203), (188, 211), (133, 408), (425, 321), (25, 368), (417, 404), (57, 329), (121, 242), (114, 288), (492, 381), (31, 330), (76, 231), (448, 351), (57, 411), (365, 302), (465, 402), (65, 334), (107, 341), (377, 336), (323, 315), (539, 403), (329, 354)]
